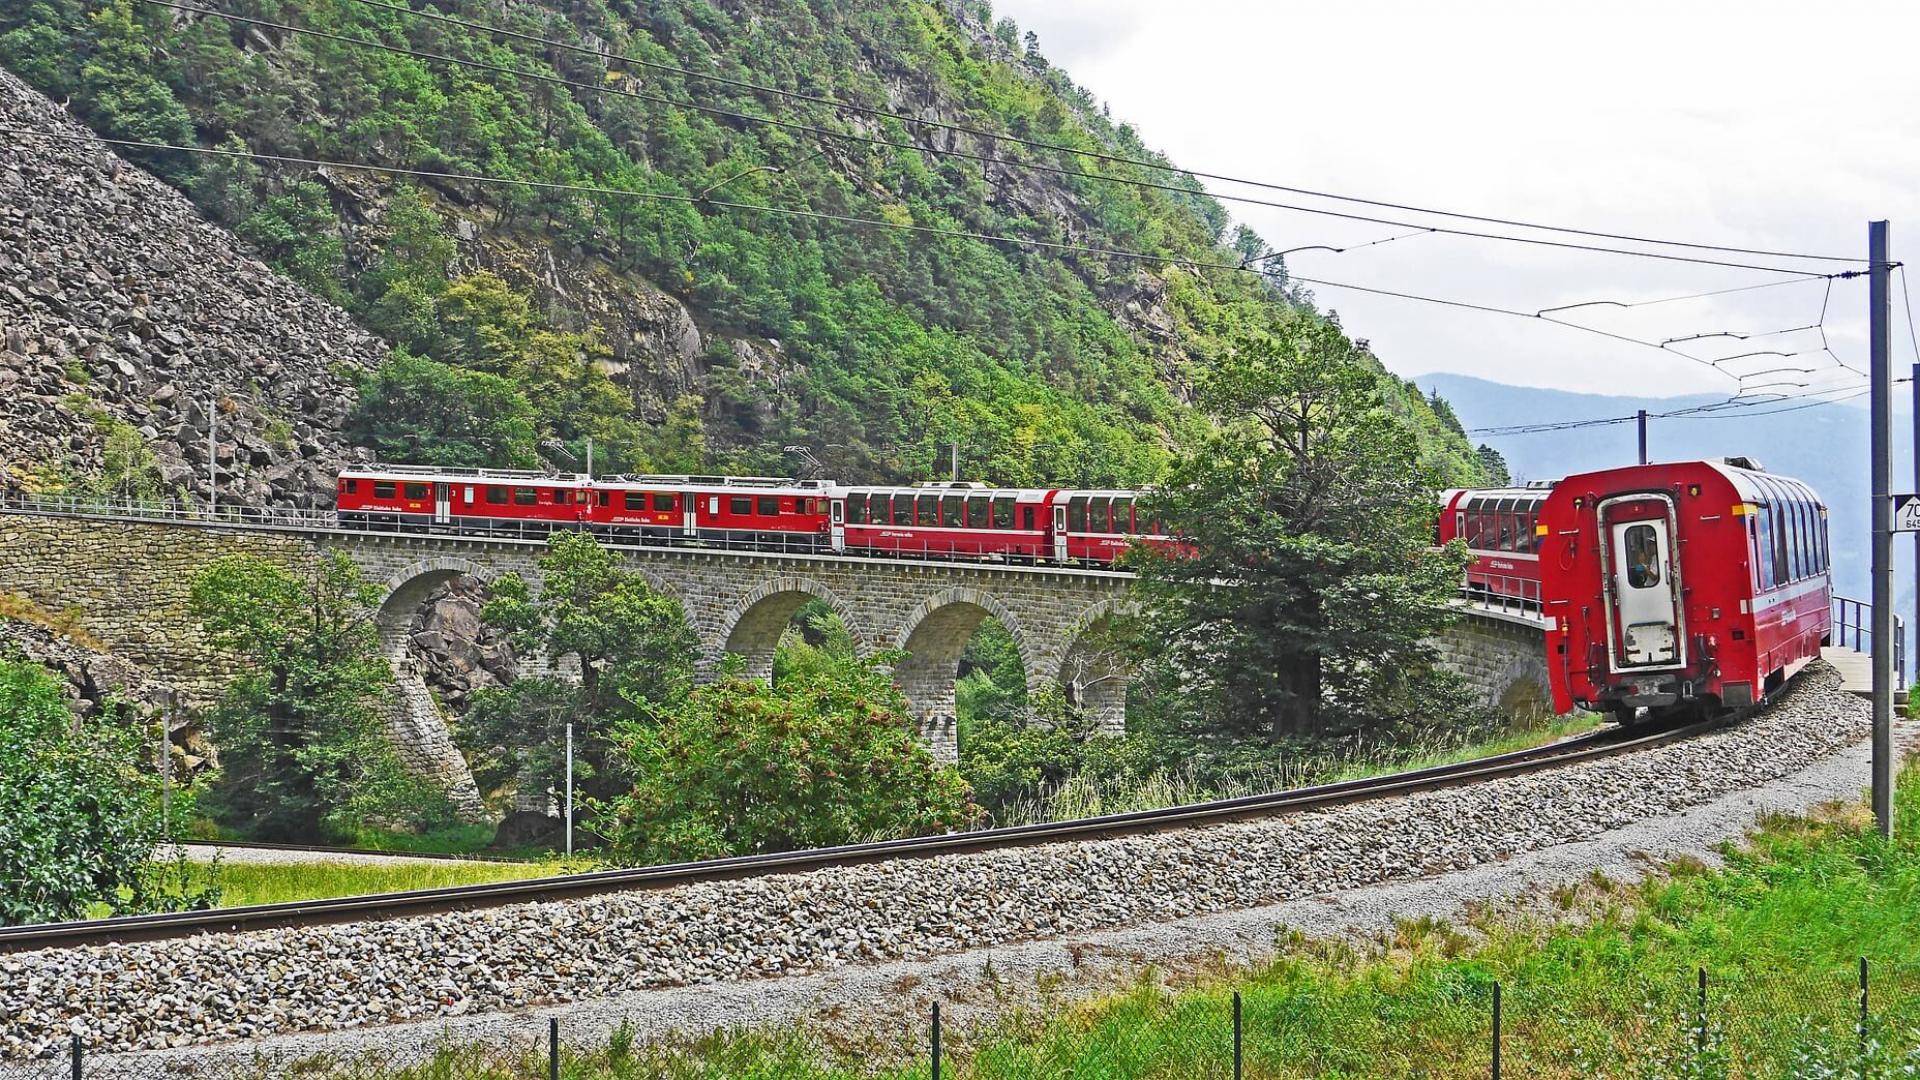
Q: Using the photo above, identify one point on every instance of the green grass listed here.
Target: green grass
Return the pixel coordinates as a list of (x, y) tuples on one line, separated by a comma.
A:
[(1089, 796), (1603, 986), (272, 883)]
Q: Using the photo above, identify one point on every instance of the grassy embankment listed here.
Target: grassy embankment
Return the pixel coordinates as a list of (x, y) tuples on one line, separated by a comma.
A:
[(272, 883), (1601, 982)]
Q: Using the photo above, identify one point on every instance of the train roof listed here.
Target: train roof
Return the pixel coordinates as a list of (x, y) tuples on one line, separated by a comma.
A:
[(962, 488), (1748, 481), (380, 471), (715, 485)]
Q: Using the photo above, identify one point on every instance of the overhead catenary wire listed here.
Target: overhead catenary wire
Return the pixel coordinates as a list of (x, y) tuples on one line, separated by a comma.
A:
[(846, 219), (829, 133), (1040, 144)]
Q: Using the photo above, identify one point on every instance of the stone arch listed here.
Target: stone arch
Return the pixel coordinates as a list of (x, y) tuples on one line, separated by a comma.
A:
[(753, 627), (933, 637), (414, 721), (1093, 675)]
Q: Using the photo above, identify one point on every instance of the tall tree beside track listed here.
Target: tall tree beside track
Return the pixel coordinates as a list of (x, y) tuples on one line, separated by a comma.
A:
[(304, 752), (1310, 505), (635, 653)]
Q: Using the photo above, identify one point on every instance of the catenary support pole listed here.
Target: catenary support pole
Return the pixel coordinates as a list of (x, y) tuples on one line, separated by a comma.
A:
[(213, 453), (1879, 337), (1641, 423), (569, 791), (1915, 387)]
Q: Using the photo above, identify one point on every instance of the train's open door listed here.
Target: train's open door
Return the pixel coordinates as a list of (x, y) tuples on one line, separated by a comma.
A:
[(1060, 533), (443, 504), (837, 523), (1644, 616)]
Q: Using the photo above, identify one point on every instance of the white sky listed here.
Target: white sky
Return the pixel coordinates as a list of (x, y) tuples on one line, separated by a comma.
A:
[(1753, 123)]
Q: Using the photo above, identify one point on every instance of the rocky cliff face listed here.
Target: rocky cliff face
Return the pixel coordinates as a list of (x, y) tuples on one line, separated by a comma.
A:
[(120, 304)]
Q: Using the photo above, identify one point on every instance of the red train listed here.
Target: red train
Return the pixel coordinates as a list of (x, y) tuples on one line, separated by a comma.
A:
[(949, 520), (1698, 583)]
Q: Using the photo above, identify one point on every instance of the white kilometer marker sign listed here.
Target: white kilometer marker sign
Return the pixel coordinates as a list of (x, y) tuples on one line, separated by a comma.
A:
[(1906, 513)]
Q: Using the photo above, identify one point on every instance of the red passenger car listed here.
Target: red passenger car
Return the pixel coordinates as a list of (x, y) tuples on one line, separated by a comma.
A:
[(1699, 581), (1498, 527), (759, 513), (949, 519), (459, 500)]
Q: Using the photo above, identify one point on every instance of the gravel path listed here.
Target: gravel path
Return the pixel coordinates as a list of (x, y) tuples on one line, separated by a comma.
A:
[(246, 986), (275, 857)]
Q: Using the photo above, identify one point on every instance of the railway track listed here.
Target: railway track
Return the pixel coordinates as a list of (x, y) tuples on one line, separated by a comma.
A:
[(1594, 746)]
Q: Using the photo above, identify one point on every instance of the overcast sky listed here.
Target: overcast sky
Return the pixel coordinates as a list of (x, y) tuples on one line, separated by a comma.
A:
[(1758, 124)]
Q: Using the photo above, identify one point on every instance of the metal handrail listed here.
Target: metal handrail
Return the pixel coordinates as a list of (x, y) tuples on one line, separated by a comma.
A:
[(172, 510), (1502, 592), (1853, 629)]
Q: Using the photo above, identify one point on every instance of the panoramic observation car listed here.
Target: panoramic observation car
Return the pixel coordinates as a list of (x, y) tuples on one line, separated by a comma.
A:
[(1691, 584), (1499, 528), (960, 520)]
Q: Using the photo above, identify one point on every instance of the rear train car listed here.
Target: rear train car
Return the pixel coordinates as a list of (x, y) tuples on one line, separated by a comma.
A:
[(1699, 582), (1498, 526)]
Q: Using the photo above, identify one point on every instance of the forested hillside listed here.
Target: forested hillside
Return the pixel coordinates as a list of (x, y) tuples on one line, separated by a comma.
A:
[(660, 314)]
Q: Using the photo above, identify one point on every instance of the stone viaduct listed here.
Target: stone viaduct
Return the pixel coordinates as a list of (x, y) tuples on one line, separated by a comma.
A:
[(126, 581)]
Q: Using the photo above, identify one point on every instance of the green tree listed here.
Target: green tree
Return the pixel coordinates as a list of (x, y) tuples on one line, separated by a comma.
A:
[(125, 97), (428, 413), (1493, 467), (827, 756), (82, 813), (1312, 579), (303, 745), (128, 468), (631, 643)]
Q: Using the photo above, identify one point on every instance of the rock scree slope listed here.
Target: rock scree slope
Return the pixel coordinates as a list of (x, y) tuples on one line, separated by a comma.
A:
[(120, 303)]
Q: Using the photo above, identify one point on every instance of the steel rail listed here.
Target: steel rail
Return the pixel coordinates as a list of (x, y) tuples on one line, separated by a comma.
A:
[(1595, 746)]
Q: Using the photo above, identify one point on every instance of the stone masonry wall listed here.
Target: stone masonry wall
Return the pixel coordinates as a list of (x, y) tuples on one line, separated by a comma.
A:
[(1502, 657)]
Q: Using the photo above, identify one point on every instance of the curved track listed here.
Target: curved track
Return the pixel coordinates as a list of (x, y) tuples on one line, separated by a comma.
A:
[(1601, 744)]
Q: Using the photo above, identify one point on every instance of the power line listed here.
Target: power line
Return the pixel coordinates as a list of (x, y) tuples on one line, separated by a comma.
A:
[(838, 103), (844, 219), (1730, 407), (966, 155)]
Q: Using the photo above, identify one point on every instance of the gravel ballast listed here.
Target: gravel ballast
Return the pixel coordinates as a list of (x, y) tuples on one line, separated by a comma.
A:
[(217, 988)]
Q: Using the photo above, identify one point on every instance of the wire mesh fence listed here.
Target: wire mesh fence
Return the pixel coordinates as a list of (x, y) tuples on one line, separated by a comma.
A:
[(1814, 1022)]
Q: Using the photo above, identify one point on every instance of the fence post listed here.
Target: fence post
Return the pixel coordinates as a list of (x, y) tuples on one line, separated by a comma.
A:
[(553, 1048), (1700, 1035), (79, 1058), (1496, 1030), (936, 1041), (1863, 1010), (1237, 1045)]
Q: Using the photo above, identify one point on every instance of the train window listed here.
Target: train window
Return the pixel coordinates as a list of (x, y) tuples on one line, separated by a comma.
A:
[(498, 496), (1763, 548), (857, 509), (353, 487), (383, 489), (767, 505), (1123, 515), (952, 511), (1780, 529), (1003, 513), (1077, 514), (1026, 517), (979, 512), (1643, 556), (665, 503), (927, 510), (634, 500), (739, 504), (903, 509), (525, 496), (417, 491)]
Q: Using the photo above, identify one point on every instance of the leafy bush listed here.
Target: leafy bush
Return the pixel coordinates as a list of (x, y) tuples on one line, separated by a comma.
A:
[(82, 815), (827, 756)]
